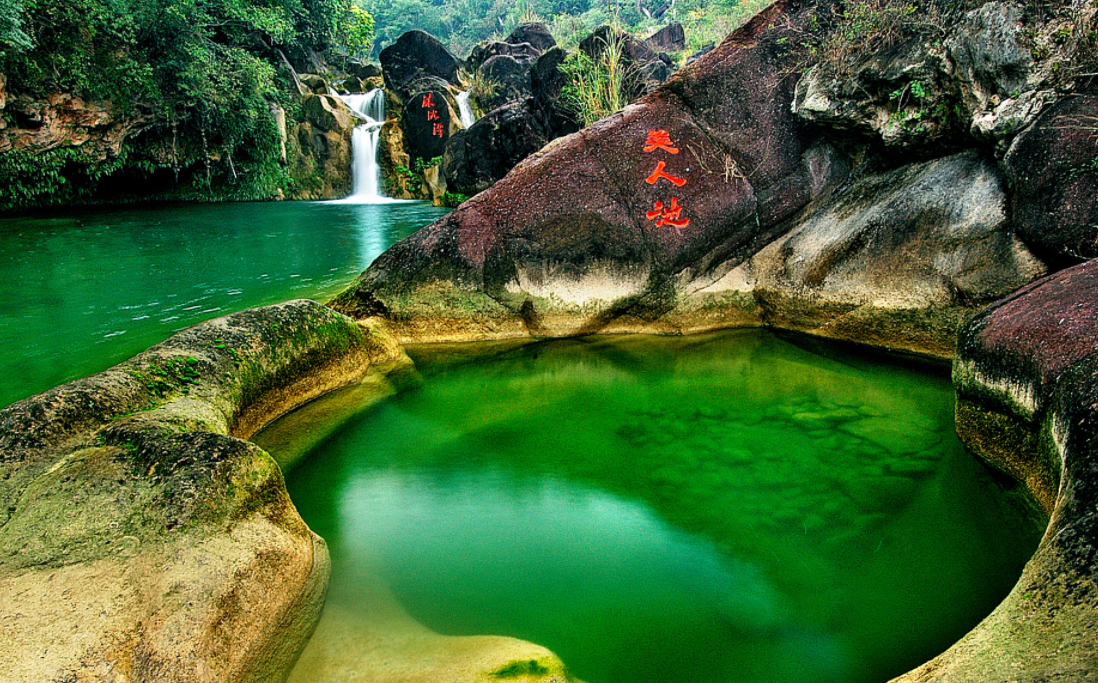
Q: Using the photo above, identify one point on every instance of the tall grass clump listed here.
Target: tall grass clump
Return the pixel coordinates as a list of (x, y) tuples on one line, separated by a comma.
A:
[(599, 86)]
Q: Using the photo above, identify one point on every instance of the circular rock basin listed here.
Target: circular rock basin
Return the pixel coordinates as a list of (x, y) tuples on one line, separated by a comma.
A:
[(728, 507)]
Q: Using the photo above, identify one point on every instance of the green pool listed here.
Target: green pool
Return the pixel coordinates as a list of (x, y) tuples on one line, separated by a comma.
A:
[(85, 289), (732, 507)]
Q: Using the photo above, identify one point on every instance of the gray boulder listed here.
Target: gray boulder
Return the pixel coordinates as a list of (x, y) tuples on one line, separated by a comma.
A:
[(988, 54), (669, 38), (534, 33), (898, 260), (509, 81)]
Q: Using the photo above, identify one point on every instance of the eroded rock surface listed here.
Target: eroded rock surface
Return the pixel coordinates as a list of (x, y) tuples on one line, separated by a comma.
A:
[(64, 120), (898, 260), (573, 240), (1026, 376), (320, 148), (144, 539), (1052, 169)]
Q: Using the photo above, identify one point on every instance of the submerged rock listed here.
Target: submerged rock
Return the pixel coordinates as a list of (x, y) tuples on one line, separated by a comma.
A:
[(144, 537)]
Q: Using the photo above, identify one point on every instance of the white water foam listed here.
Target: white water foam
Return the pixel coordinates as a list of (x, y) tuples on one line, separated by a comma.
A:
[(465, 111), (365, 171)]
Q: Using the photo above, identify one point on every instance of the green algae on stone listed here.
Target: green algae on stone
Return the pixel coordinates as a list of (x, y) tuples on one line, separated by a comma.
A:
[(146, 535)]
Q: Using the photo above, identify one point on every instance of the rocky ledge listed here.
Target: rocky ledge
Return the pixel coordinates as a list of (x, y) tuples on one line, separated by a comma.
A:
[(1026, 375), (144, 538)]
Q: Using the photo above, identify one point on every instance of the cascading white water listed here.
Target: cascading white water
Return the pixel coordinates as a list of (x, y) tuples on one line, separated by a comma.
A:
[(465, 111), (365, 172)]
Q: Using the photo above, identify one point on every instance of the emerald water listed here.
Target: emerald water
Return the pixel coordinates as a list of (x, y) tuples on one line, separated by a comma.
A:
[(84, 290), (729, 507)]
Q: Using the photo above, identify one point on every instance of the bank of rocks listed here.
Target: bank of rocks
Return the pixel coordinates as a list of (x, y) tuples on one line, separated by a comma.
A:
[(145, 538), (783, 221), (1026, 376)]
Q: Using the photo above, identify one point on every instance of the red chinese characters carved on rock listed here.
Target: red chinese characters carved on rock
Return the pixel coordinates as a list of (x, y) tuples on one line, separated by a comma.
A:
[(660, 139), (659, 173), (667, 215), (428, 103), (664, 215)]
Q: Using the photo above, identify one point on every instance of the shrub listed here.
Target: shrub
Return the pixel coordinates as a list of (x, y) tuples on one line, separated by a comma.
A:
[(599, 87)]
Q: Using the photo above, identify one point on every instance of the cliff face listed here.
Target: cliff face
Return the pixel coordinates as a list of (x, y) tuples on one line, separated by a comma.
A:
[(102, 102), (63, 120), (85, 141)]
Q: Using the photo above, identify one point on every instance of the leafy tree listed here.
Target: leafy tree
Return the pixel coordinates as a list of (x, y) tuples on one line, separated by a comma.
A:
[(12, 37), (201, 74)]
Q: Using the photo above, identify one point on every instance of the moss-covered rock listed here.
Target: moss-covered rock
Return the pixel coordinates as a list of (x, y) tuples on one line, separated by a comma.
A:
[(143, 537), (1026, 376)]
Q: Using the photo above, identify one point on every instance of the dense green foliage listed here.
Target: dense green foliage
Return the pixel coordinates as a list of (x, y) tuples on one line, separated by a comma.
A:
[(464, 23), (200, 77), (12, 36), (599, 87)]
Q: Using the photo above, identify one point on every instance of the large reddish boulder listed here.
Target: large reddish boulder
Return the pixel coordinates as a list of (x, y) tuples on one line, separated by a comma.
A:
[(576, 239), (1052, 171)]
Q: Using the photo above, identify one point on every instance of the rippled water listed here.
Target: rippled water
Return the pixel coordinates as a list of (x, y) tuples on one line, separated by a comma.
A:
[(734, 507), (84, 290)]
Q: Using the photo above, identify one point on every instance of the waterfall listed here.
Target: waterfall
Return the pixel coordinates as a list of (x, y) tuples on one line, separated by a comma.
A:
[(365, 172), (465, 112)]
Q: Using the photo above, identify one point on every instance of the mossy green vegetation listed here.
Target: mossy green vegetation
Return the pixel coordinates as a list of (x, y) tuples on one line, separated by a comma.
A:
[(451, 200), (173, 374), (530, 667)]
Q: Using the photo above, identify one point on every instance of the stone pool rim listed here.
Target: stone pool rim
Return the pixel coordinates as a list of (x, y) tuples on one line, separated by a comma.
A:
[(1026, 636)]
